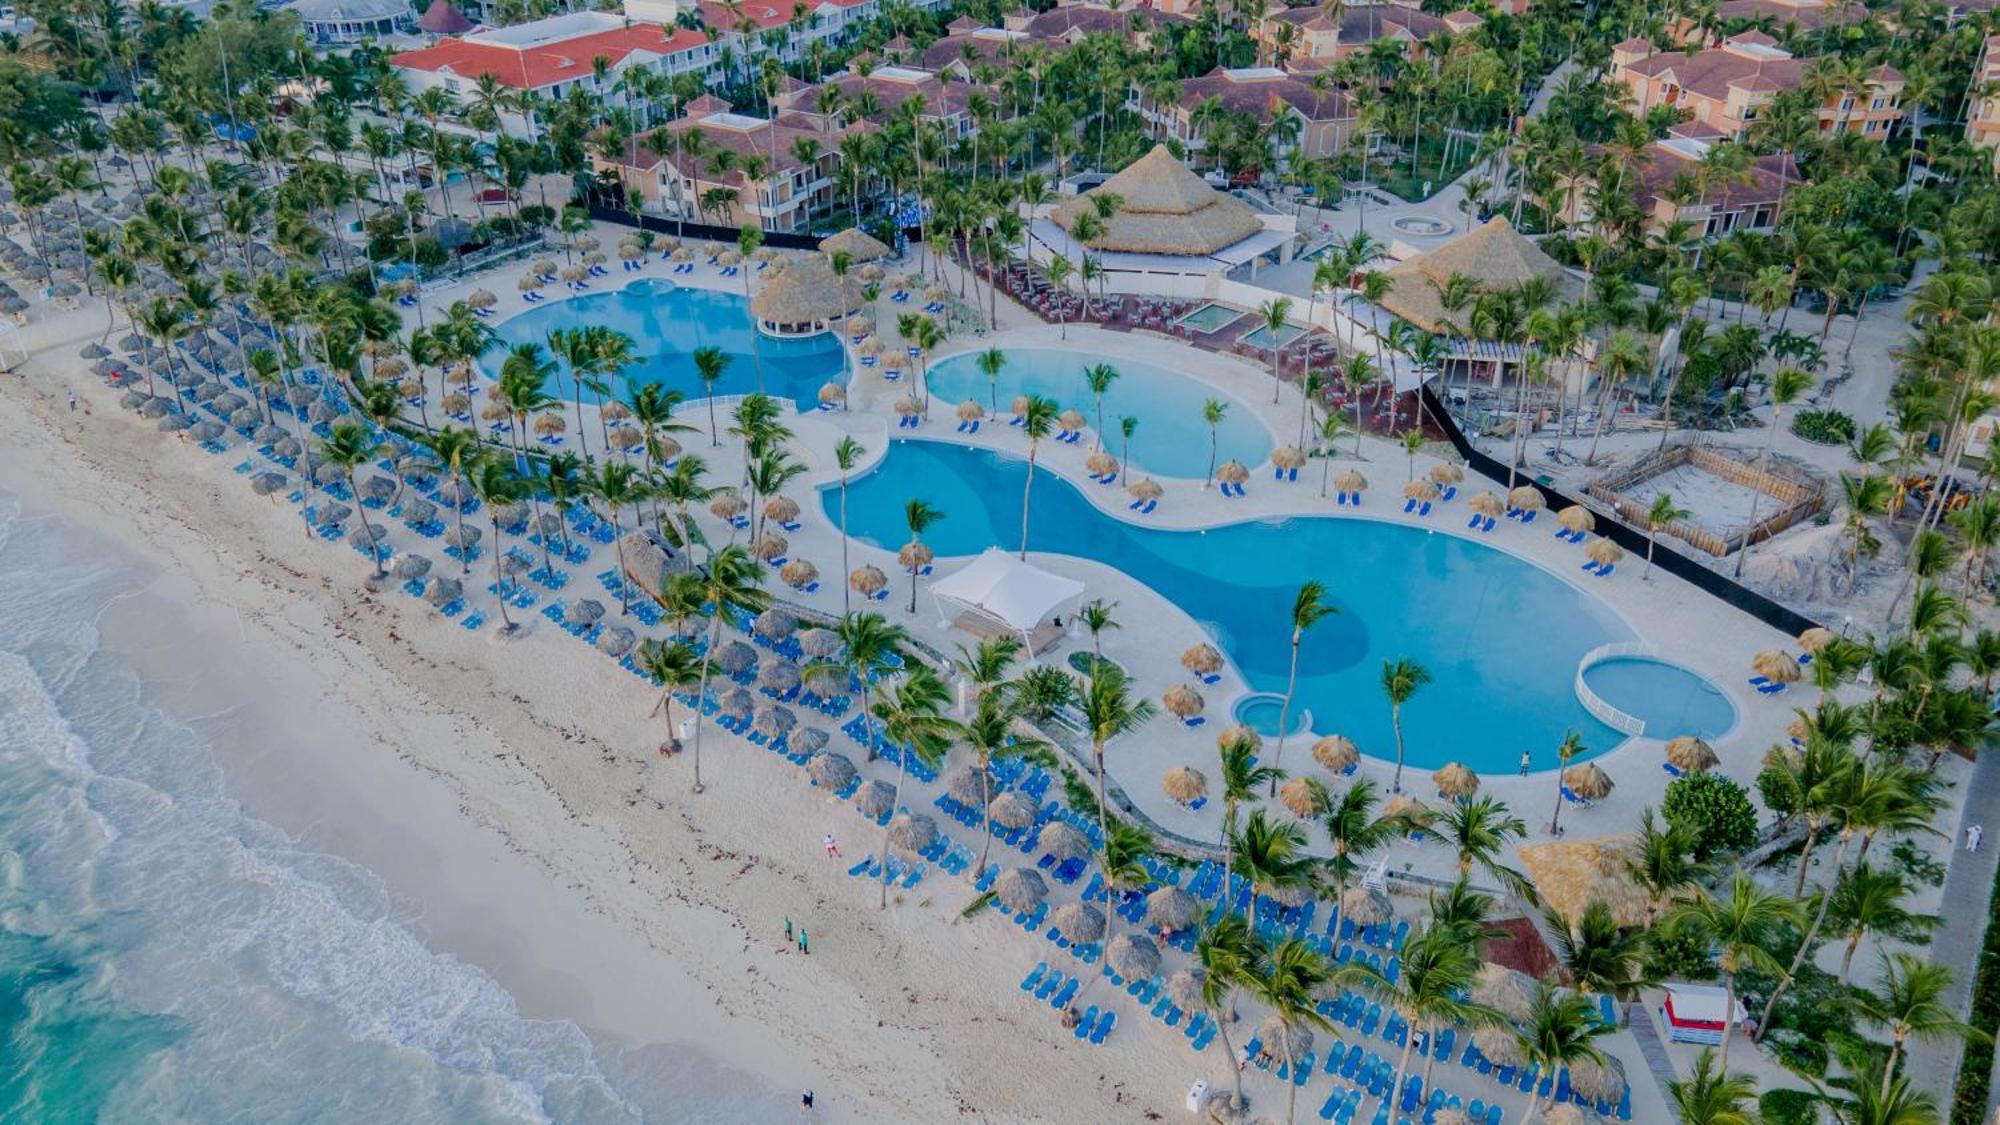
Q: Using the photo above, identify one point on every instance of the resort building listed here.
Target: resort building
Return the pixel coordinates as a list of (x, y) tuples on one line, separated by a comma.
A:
[(1667, 184), (1324, 113), (944, 99), (965, 44), (1166, 223), (1494, 256), (1309, 33), (1982, 122), (731, 168), (550, 57), (1726, 87), (1070, 22), (351, 21)]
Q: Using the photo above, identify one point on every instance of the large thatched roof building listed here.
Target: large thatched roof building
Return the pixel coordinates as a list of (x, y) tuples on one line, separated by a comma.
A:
[(804, 297), (1163, 208), (1572, 874), (858, 243), (1494, 256)]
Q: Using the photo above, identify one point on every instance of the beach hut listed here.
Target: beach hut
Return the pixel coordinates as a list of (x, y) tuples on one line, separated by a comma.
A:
[(1526, 498), (1285, 1044), (1456, 781), (1776, 666), (1133, 956), (867, 581), (1078, 922), (1587, 781), (1182, 701), (1335, 753), (1184, 784), (798, 574), (1013, 810), (1063, 841), (1577, 519), (805, 298), (1365, 906), (1504, 990), (1163, 208), (875, 798), (1302, 798), (1020, 889), (831, 771), (1689, 754), (1239, 734)]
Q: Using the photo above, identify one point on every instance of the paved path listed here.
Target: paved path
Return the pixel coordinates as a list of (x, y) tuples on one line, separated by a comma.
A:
[(1967, 888), (1654, 1051)]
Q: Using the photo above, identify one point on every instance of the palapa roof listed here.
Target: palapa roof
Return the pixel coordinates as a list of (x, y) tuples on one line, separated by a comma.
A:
[(1572, 874), (1494, 255), (1164, 208), (806, 292), (443, 18), (863, 246)]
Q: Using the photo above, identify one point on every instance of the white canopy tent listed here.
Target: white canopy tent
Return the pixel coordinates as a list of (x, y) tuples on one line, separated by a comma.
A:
[(1000, 588)]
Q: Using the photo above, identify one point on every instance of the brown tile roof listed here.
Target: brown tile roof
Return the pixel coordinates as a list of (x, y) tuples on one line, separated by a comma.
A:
[(1714, 72), (1088, 18), (1664, 164), (1260, 93)]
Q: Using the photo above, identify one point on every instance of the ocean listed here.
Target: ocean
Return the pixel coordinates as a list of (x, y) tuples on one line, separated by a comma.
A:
[(165, 956)]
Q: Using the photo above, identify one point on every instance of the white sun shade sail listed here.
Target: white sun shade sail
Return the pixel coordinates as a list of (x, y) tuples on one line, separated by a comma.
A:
[(1002, 588)]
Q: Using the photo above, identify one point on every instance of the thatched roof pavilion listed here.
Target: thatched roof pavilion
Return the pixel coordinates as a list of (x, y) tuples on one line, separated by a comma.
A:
[(1572, 874), (805, 298), (859, 244), (1164, 208), (1494, 255)]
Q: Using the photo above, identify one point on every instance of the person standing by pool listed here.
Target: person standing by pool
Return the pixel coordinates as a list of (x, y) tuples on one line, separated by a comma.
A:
[(1526, 758)]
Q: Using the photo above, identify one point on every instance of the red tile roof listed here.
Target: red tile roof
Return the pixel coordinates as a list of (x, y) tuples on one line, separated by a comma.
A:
[(765, 14), (544, 64)]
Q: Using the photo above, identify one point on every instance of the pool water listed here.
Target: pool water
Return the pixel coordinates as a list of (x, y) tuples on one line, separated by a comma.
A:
[(1171, 441), (667, 323), (1261, 713), (1500, 638), (1260, 336), (1210, 317), (1668, 698)]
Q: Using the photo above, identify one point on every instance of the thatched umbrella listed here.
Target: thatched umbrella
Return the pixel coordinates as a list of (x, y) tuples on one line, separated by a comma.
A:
[(1570, 1113), (1500, 1046), (1420, 490), (1577, 518), (550, 424), (1288, 457), (1487, 504), (1453, 1115), (735, 657), (1349, 480), (1276, 1039), (616, 641), (1365, 906), (334, 512), (574, 273), (831, 771), (859, 326), (776, 722), (1238, 733), (1599, 1083), (819, 644), (1526, 498), (1776, 665), (1013, 810), (1604, 552), (1184, 988), (769, 546), (1232, 472), (809, 740), (1814, 639), (909, 406), (584, 611), (1301, 798), (832, 393), (737, 703), (1505, 990), (1078, 922), (1020, 889), (783, 509), (412, 567), (627, 438), (1100, 464), (1456, 781), (1184, 784), (913, 831), (630, 251), (775, 624), (1146, 488), (778, 677), (482, 299), (798, 574), (419, 511), (867, 580), (914, 556), (1070, 421), (443, 591), (1444, 473), (1691, 755), (1182, 701), (969, 785), (874, 798), (873, 345), (1063, 840), (528, 283), (1171, 909), (266, 484), (1588, 781), (970, 410), (1572, 875), (1133, 956), (1335, 753)]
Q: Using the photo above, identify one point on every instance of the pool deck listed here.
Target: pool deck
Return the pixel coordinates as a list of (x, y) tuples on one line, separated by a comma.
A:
[(1687, 626)]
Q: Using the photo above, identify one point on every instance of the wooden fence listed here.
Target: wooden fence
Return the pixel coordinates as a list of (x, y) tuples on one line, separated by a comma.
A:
[(1795, 499)]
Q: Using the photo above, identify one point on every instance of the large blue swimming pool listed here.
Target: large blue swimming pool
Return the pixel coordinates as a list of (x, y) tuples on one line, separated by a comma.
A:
[(1500, 638), (668, 322), (1171, 441), (1669, 699)]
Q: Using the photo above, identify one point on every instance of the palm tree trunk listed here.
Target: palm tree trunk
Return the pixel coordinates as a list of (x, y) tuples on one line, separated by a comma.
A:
[(1728, 1019), (1228, 1053), (1805, 941), (884, 904), (1026, 489), (1396, 721), (701, 696), (985, 819), (1402, 1070), (1285, 714)]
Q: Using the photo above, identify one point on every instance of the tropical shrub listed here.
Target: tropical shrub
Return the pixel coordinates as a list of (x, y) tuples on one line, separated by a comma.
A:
[(1715, 812), (1824, 427)]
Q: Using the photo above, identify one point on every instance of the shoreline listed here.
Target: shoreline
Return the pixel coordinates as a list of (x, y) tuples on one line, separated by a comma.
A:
[(888, 1020)]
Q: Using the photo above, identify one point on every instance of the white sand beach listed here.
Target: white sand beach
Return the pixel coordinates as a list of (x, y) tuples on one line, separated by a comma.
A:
[(511, 802)]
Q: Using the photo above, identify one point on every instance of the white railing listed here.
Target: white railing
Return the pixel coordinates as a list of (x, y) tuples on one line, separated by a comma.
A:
[(1630, 725)]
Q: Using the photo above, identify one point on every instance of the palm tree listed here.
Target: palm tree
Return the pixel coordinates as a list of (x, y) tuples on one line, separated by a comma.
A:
[(1038, 418), (1868, 902), (1400, 680), (1709, 1096), (1659, 517), (1109, 711), (617, 484), (1098, 377), (1910, 1004), (1095, 616), (1560, 1031), (672, 666), (846, 455), (1600, 956), (1438, 971), (913, 718), (1290, 978), (990, 734), (1121, 863), (1272, 854), (990, 362), (709, 365), (870, 647), (497, 485), (1274, 313), (1740, 923), (918, 515), (1571, 746), (1307, 610), (1212, 413), (1228, 953), (347, 447), (1241, 775), (1893, 1103), (1478, 831), (457, 450), (733, 586), (1354, 831)]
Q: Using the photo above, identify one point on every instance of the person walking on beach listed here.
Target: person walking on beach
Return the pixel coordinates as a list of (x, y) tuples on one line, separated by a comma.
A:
[(806, 1103), (788, 929), (832, 848), (72, 402), (1525, 759), (803, 946), (1973, 835)]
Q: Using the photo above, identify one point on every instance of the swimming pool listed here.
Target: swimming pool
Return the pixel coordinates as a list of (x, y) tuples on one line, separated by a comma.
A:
[(1669, 699), (1500, 638), (1172, 439), (668, 322), (1261, 711), (1211, 317), (1260, 336)]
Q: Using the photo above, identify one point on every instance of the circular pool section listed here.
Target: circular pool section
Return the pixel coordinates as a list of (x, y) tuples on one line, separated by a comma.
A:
[(668, 323), (1261, 710), (1667, 699), (1172, 440)]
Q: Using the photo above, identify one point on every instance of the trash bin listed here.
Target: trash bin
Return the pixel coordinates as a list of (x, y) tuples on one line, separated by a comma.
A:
[(1197, 1096)]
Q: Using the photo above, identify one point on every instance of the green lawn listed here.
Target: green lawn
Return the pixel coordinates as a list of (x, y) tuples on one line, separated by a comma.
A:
[(1397, 181)]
